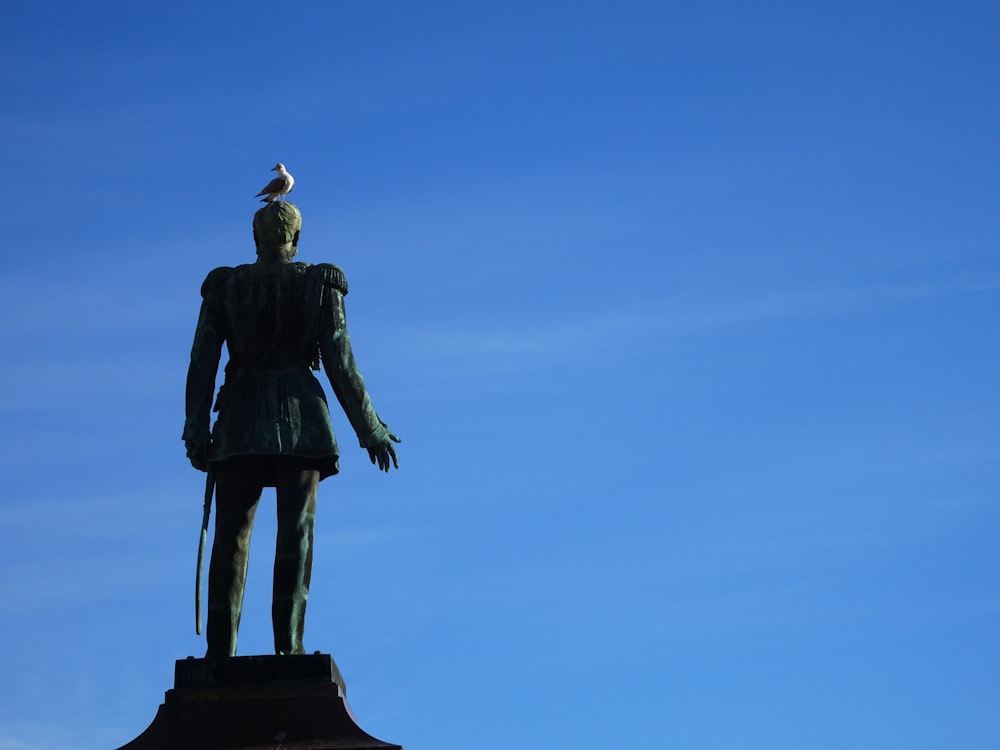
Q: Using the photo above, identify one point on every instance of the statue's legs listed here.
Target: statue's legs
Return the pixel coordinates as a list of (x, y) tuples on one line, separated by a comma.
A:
[(239, 483), (296, 494)]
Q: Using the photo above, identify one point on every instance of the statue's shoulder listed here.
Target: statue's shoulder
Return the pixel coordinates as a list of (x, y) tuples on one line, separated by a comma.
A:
[(215, 279), (331, 276)]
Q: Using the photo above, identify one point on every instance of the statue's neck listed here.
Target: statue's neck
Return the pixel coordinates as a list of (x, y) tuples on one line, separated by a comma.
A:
[(270, 256)]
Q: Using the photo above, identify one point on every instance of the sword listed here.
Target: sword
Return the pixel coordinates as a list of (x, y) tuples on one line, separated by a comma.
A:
[(209, 491)]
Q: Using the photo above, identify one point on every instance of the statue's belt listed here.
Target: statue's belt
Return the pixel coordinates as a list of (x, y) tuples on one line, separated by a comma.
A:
[(239, 377), (268, 372)]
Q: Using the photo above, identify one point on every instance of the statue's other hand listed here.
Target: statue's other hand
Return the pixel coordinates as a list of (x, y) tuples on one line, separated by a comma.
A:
[(197, 454), (383, 452)]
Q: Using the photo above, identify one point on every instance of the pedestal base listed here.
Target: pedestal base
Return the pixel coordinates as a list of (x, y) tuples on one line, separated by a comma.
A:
[(256, 703)]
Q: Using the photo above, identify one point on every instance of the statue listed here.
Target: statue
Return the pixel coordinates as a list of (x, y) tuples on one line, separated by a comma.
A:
[(279, 320)]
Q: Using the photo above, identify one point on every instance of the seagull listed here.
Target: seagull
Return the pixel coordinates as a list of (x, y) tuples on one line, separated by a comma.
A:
[(280, 185)]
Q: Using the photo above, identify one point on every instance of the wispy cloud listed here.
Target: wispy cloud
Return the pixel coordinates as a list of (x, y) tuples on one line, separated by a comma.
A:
[(41, 738), (689, 315)]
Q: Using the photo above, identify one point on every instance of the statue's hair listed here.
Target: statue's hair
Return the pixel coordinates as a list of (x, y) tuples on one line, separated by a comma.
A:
[(276, 224)]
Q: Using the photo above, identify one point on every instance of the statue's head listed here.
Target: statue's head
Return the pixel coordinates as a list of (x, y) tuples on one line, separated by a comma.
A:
[(276, 228)]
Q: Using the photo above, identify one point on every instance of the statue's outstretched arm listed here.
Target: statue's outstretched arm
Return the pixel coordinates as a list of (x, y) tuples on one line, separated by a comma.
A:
[(349, 385)]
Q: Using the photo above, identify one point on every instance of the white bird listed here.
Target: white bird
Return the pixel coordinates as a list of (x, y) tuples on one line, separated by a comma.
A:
[(280, 185)]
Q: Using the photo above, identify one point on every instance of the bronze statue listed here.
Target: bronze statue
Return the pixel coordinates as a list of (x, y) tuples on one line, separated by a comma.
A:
[(279, 320)]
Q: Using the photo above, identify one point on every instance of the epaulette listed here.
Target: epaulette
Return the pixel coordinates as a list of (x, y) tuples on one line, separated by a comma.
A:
[(216, 277), (332, 276)]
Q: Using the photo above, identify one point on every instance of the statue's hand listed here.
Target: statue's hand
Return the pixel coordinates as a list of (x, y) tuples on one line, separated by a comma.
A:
[(197, 454), (383, 452)]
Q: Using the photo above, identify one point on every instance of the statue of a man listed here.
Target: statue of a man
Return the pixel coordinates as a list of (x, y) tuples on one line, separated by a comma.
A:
[(279, 319)]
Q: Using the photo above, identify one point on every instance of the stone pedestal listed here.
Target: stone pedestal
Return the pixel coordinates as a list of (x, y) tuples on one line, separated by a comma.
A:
[(256, 703)]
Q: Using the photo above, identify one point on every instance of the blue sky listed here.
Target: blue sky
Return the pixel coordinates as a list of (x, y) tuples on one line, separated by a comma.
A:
[(686, 314)]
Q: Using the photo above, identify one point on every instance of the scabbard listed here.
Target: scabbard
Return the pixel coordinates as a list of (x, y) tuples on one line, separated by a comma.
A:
[(206, 514)]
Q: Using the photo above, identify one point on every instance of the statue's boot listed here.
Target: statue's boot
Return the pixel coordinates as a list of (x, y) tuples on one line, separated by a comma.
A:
[(226, 583)]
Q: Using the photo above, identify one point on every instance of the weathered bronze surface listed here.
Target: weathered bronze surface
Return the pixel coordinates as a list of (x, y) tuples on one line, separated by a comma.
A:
[(280, 320)]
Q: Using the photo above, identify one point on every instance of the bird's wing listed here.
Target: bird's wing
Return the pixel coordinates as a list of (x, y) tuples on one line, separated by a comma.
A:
[(274, 186)]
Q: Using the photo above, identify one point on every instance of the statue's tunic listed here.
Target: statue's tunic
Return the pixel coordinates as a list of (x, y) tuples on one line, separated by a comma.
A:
[(278, 322)]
